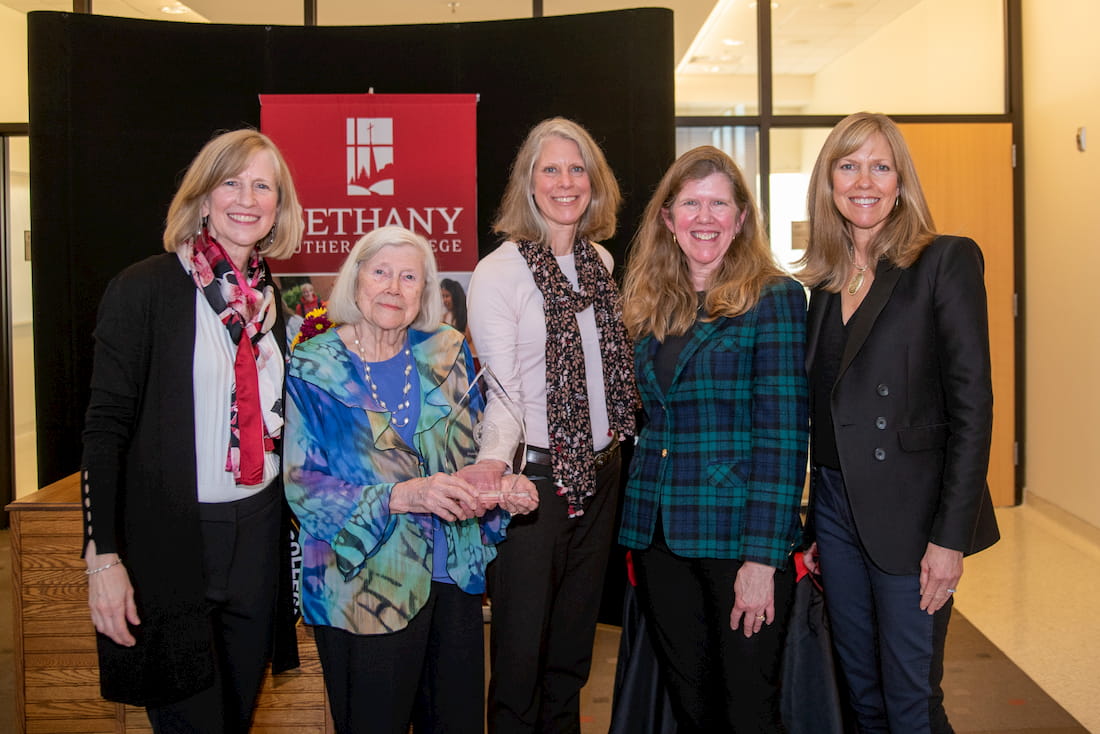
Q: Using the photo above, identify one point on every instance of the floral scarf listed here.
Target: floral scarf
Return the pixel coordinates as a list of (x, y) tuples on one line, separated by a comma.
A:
[(245, 303), (567, 413)]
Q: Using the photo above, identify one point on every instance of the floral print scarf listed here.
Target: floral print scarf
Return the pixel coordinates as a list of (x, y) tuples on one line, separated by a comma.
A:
[(567, 413), (245, 303)]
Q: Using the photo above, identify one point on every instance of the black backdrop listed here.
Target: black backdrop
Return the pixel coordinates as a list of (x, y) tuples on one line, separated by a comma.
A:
[(118, 108)]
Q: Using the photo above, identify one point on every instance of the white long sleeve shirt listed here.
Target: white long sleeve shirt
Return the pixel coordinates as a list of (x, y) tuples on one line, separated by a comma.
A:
[(508, 324)]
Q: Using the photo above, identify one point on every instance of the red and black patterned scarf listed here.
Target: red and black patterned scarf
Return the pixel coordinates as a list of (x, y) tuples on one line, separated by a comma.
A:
[(570, 423), (245, 303)]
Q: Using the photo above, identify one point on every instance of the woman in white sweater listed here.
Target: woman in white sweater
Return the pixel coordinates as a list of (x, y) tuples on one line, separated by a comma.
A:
[(545, 314)]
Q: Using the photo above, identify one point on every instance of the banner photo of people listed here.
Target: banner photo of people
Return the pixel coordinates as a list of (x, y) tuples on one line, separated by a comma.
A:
[(362, 161)]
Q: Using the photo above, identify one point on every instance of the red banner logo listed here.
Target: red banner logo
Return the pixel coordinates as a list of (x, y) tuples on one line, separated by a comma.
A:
[(369, 160)]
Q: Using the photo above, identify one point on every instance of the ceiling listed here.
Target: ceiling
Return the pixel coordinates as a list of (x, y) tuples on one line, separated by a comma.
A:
[(715, 40)]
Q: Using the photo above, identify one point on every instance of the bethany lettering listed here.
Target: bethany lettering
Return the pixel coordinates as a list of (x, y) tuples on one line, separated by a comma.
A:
[(338, 222)]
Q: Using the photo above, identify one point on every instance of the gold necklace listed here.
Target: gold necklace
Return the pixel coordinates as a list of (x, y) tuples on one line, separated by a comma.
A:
[(856, 282)]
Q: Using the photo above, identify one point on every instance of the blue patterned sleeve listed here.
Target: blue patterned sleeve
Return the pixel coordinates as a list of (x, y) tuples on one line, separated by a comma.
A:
[(353, 519), (780, 426), (494, 523)]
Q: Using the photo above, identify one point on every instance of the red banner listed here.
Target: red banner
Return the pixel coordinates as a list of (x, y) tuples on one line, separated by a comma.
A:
[(362, 161)]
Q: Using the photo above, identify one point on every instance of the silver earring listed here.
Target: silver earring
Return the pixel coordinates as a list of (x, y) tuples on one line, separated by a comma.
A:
[(271, 234), (205, 220)]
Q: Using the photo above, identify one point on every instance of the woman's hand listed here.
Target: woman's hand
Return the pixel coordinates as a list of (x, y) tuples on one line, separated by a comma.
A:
[(111, 597), (754, 598), (809, 558), (940, 571), (485, 476), (448, 496), (514, 492), (518, 495)]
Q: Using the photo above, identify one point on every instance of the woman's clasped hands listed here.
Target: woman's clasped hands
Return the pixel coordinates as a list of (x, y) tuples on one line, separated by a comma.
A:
[(470, 492), (513, 492)]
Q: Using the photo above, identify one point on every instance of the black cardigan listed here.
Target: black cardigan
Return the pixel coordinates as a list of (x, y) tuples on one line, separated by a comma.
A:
[(139, 483)]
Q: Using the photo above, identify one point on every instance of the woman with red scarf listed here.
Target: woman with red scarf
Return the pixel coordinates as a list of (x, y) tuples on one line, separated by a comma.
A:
[(186, 541)]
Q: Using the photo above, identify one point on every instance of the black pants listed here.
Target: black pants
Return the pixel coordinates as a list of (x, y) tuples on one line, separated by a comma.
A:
[(719, 681), (432, 673), (546, 585), (240, 559)]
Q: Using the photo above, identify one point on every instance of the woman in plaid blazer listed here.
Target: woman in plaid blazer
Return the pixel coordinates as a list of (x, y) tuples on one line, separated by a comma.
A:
[(712, 503)]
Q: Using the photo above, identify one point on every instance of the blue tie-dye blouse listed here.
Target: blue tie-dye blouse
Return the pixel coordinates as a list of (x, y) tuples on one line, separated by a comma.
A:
[(365, 569)]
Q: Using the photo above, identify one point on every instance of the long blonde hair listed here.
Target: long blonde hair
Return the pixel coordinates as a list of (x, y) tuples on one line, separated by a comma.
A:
[(908, 228), (520, 219), (658, 293), (223, 157)]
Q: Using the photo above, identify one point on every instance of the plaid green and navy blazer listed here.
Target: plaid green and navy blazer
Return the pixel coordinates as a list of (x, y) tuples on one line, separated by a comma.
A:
[(722, 457)]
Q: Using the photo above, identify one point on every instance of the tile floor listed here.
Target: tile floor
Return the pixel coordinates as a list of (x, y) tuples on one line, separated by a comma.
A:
[(1036, 596)]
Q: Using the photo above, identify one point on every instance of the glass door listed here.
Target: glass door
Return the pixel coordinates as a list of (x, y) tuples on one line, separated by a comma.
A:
[(18, 455)]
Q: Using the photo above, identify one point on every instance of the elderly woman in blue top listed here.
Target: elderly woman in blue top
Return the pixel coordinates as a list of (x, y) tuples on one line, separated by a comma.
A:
[(712, 501), (395, 543)]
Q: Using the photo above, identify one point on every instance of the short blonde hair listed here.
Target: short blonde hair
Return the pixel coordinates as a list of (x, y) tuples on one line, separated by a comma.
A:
[(908, 228), (658, 293), (519, 217), (223, 157), (342, 307)]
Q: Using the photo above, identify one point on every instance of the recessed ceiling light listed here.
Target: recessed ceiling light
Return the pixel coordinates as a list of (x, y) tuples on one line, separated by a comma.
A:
[(732, 42), (175, 8)]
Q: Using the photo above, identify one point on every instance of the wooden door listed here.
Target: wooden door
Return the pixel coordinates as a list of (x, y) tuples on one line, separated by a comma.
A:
[(966, 172)]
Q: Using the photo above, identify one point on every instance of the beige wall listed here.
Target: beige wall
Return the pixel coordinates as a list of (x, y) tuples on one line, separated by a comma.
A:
[(1061, 93), (13, 65), (942, 57)]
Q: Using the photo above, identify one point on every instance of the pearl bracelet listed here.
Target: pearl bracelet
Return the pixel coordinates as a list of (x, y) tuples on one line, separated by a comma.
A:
[(113, 563)]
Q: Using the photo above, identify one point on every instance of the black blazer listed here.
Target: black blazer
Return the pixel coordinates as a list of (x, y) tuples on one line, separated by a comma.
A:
[(912, 407)]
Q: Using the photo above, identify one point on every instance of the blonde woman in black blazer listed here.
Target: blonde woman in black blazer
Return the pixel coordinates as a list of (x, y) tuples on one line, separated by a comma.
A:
[(902, 413)]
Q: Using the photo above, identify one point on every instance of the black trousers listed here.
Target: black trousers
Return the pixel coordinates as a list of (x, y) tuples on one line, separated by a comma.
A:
[(546, 585), (430, 674), (240, 558), (719, 681)]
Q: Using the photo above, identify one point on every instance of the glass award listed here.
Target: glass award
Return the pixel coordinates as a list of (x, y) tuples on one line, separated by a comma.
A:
[(486, 415)]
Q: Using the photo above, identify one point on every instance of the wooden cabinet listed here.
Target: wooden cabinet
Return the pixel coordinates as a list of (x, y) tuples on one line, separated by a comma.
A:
[(56, 673)]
